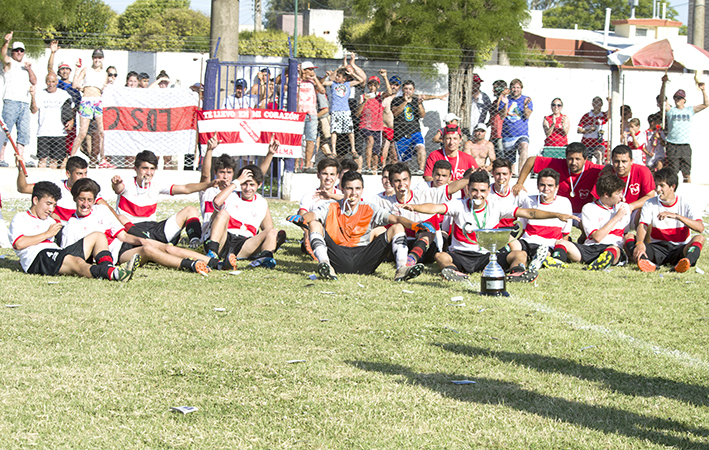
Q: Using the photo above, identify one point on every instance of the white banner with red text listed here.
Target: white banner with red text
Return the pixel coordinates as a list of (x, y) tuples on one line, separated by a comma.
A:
[(249, 131), (160, 120)]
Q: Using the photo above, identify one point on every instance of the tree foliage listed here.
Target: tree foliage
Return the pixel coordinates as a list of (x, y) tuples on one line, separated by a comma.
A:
[(94, 24), (163, 25), (29, 19), (591, 14), (278, 7), (275, 43)]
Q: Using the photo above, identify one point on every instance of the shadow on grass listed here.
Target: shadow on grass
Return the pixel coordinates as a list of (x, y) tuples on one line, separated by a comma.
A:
[(488, 391), (624, 383), (11, 264)]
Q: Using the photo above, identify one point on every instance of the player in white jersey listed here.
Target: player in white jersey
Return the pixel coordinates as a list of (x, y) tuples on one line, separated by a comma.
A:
[(464, 255), (235, 226), (604, 222), (420, 240), (33, 233), (124, 247), (668, 220), (76, 169), (138, 201), (502, 192)]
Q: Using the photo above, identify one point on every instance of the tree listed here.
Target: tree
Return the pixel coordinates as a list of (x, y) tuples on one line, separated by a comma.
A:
[(30, 18), (459, 33), (591, 14), (163, 25), (275, 43), (278, 7), (94, 23)]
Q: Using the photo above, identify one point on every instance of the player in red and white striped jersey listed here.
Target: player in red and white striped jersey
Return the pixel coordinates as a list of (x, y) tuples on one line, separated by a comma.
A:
[(604, 222), (502, 191), (669, 220)]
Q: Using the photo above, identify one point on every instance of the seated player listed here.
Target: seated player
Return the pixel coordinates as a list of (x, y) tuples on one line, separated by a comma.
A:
[(540, 234), (239, 215), (340, 233), (464, 255), (668, 220), (124, 247), (603, 221), (502, 192), (76, 169), (419, 242), (138, 202), (32, 234)]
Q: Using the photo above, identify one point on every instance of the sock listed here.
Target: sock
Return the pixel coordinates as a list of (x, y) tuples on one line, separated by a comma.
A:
[(186, 264), (615, 253), (629, 246), (317, 242), (104, 257), (560, 253), (399, 248), (693, 252), (417, 252), (193, 228), (102, 271), (213, 263), (211, 245)]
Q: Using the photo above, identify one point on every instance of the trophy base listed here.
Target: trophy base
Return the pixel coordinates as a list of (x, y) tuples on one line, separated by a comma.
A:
[(496, 294)]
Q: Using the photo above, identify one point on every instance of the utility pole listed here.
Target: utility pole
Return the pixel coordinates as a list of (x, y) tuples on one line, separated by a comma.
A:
[(295, 32), (224, 32), (257, 15), (698, 31)]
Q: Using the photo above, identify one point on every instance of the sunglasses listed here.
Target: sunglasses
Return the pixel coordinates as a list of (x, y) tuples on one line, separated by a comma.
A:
[(559, 105), (18, 50), (112, 74)]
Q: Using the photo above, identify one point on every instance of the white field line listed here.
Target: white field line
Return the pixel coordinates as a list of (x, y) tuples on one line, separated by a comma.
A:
[(581, 324)]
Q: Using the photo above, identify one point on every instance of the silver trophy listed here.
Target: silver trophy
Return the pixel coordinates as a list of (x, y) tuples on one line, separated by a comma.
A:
[(492, 280)]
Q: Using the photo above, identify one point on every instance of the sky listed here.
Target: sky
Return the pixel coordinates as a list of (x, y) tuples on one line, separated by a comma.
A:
[(246, 8)]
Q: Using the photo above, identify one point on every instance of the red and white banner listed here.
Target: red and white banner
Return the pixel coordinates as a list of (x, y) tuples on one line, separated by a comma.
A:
[(160, 120), (249, 131)]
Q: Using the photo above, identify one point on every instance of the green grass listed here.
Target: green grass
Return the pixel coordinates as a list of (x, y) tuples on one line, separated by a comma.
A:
[(581, 360)]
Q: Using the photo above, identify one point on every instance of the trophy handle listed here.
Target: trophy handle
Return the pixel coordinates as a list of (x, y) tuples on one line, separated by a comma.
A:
[(520, 229)]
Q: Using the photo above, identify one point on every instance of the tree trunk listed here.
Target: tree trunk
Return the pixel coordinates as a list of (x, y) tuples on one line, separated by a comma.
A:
[(460, 85)]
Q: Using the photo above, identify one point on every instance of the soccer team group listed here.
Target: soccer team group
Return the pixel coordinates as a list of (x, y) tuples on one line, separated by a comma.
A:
[(626, 214)]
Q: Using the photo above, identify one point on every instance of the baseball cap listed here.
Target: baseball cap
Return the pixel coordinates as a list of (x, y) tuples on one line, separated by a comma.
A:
[(143, 76), (308, 65), (64, 65), (680, 94), (480, 126), (97, 54), (451, 128), (396, 79), (241, 82), (374, 78), (265, 70), (450, 117), (17, 45), (476, 78)]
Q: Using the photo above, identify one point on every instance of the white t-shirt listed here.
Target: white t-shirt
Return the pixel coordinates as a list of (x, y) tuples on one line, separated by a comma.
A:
[(17, 82), (546, 231), (246, 101), (100, 219), (670, 230), (507, 200), (312, 200), (437, 195), (245, 216), (595, 215), (140, 204), (26, 224), (50, 112), (488, 216)]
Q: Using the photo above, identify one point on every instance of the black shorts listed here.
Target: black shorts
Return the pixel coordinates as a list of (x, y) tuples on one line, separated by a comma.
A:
[(589, 253), (363, 259), (529, 248), (664, 253), (469, 262), (49, 261), (152, 230), (232, 244), (52, 147), (679, 157)]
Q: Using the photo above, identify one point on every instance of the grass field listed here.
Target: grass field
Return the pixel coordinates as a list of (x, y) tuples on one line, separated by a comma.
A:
[(615, 359)]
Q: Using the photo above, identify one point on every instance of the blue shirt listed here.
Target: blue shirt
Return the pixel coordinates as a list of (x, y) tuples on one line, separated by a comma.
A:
[(678, 124), (339, 95), (73, 93), (515, 124)]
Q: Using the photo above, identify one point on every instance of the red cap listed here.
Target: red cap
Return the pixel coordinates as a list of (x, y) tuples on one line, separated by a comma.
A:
[(680, 94), (451, 128), (374, 78), (476, 78)]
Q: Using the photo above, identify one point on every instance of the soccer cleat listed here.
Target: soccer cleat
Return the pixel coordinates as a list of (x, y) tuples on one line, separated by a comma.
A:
[(645, 265), (211, 254), (406, 273), (539, 258), (526, 276), (265, 262), (200, 267), (453, 275), (194, 243), (683, 265), (307, 248), (280, 239), (605, 259), (554, 263), (229, 262), (326, 272), (125, 274)]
